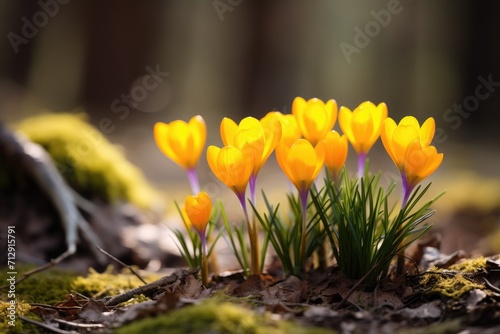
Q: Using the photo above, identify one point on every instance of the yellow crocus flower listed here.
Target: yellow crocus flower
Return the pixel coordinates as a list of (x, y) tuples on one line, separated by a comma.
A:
[(362, 128), (198, 209), (315, 118), (408, 145), (180, 141), (301, 162), (335, 154), (256, 139), (397, 137), (234, 169), (183, 143), (231, 168)]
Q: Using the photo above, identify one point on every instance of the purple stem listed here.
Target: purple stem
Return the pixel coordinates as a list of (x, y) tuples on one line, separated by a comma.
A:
[(406, 189), (252, 182), (193, 181), (361, 164), (243, 203), (203, 239)]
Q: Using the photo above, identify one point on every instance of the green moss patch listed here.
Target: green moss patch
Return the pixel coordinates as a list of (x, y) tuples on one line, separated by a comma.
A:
[(214, 316), (456, 280), (108, 283)]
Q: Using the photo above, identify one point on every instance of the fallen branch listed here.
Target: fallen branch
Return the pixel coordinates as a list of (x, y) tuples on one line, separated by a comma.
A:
[(148, 289), (47, 327), (37, 163)]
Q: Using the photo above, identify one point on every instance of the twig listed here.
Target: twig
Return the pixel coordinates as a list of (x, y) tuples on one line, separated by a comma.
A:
[(151, 287), (81, 295), (86, 327), (491, 286), (123, 264), (46, 266), (59, 308), (47, 327)]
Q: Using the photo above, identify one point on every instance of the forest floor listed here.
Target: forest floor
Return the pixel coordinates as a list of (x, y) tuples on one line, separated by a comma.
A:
[(452, 295)]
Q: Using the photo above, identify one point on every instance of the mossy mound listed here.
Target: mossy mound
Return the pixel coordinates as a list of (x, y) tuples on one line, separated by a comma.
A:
[(456, 280), (214, 316), (87, 160)]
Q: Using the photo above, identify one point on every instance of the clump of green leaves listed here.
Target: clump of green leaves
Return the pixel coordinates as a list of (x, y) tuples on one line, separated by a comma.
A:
[(365, 231), (285, 234)]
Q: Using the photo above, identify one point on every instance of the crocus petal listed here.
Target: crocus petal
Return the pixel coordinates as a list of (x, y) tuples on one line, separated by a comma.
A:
[(386, 133), (212, 154), (282, 157), (302, 161), (272, 135), (197, 125), (335, 152), (427, 132), (362, 126), (228, 130)]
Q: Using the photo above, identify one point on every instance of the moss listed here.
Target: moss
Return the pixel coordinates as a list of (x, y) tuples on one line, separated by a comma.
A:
[(109, 283), (455, 281), (47, 287), (471, 266), (87, 160), (52, 286), (213, 316), (11, 317)]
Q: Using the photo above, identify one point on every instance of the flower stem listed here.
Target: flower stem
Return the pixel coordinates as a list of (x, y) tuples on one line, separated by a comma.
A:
[(193, 180), (252, 182), (361, 164), (253, 237), (400, 266), (204, 260), (406, 190), (303, 199)]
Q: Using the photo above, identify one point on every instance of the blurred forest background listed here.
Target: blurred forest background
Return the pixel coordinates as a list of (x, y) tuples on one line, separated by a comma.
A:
[(238, 58)]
